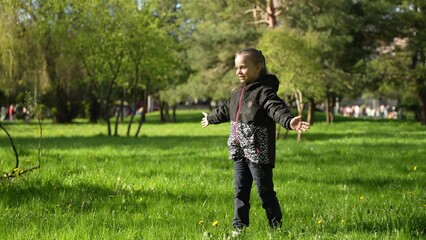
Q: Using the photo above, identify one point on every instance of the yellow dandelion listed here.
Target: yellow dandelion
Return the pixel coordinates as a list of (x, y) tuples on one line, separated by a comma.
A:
[(215, 223), (414, 168), (201, 222), (424, 205), (319, 221), (362, 198)]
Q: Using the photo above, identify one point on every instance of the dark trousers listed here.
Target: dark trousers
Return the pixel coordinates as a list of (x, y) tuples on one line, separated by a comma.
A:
[(244, 174)]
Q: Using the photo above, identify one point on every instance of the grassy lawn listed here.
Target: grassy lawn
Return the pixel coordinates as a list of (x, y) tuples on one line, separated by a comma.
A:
[(348, 180)]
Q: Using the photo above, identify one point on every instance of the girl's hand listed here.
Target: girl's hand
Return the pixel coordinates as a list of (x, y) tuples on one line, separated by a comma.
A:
[(298, 125), (204, 122)]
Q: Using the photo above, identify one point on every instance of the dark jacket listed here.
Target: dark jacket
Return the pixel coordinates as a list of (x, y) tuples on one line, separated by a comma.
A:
[(253, 110)]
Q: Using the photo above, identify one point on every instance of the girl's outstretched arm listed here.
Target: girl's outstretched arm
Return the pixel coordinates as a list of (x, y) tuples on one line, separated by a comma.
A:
[(298, 125), (204, 121)]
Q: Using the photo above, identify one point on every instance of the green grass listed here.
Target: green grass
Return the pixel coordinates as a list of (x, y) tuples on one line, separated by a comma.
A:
[(348, 180)]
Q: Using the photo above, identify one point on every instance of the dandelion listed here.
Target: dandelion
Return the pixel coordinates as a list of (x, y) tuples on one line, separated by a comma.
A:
[(201, 222), (414, 168), (215, 223), (319, 221), (362, 198)]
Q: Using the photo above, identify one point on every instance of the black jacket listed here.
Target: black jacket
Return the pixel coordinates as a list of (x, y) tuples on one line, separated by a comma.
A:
[(253, 110)]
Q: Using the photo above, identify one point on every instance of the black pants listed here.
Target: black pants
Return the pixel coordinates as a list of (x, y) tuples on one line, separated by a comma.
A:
[(244, 174)]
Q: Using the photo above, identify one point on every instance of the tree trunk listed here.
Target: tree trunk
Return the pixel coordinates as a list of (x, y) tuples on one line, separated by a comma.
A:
[(107, 118), (115, 69), (120, 113), (94, 108), (299, 103), (420, 84), (329, 104), (421, 95), (174, 113), (108, 107), (162, 115), (122, 106), (63, 114), (117, 119), (271, 19), (166, 112), (135, 99), (51, 56), (311, 111), (144, 108)]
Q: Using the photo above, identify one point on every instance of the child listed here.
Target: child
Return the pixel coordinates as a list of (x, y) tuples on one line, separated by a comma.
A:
[(253, 109)]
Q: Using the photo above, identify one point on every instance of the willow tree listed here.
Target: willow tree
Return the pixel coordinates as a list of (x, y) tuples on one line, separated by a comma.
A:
[(7, 49), (46, 24), (18, 72)]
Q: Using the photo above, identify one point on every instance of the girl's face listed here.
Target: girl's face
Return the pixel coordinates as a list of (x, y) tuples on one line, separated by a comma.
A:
[(245, 69)]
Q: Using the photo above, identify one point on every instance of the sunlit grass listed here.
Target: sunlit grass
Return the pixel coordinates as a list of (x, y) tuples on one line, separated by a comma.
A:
[(347, 180)]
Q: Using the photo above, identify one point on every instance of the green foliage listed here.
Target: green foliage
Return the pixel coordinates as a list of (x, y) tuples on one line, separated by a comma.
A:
[(348, 180), (292, 56), (220, 29), (316, 42), (399, 69), (73, 51)]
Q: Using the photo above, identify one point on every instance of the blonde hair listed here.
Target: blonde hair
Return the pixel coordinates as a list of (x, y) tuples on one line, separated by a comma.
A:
[(256, 57)]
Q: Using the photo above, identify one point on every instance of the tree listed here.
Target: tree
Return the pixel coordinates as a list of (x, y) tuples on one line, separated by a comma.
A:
[(46, 23), (100, 43), (293, 57), (398, 68), (323, 43), (18, 72), (218, 29), (7, 49)]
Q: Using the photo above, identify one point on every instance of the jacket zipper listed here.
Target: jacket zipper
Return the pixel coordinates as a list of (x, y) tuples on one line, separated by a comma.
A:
[(238, 114)]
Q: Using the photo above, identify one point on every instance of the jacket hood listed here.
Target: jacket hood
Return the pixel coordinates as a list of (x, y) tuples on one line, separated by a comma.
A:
[(270, 80)]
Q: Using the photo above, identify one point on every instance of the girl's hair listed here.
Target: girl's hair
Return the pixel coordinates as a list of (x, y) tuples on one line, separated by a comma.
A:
[(256, 57)]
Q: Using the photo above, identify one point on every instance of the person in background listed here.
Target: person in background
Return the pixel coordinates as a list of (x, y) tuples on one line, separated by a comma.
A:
[(11, 112)]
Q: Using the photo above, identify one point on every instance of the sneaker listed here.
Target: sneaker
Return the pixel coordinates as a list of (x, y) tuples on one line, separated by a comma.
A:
[(236, 232)]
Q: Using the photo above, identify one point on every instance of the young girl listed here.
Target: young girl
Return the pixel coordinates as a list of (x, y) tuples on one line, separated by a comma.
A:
[(253, 110)]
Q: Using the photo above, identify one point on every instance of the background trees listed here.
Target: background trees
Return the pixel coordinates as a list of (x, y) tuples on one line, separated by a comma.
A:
[(90, 58), (398, 68)]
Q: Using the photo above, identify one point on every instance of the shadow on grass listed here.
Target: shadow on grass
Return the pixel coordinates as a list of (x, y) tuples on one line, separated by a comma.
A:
[(84, 197), (369, 184), (147, 142), (373, 134)]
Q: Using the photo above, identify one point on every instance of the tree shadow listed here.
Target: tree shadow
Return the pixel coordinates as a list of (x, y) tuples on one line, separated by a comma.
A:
[(157, 142), (86, 197)]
